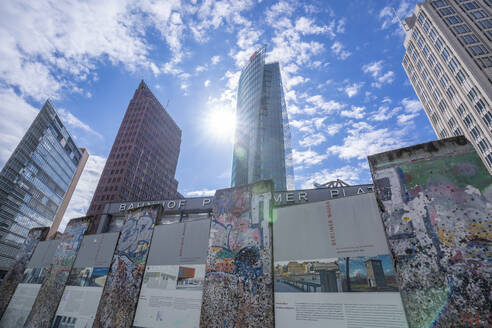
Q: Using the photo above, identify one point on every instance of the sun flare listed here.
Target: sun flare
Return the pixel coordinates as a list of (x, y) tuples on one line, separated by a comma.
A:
[(221, 123)]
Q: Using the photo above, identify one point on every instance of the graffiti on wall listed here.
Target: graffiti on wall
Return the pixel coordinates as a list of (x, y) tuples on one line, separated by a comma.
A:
[(437, 201), (15, 274), (51, 291), (238, 288), (119, 299)]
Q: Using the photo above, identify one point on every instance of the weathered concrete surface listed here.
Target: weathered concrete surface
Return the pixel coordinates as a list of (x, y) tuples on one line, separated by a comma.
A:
[(436, 204), (238, 287), (120, 295), (14, 276), (51, 291)]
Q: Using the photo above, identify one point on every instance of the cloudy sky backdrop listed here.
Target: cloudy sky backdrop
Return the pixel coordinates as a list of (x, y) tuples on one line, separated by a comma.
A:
[(346, 90)]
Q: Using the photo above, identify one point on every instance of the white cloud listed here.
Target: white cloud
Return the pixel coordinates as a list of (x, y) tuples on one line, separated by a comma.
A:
[(405, 118), (70, 120), (215, 60), (293, 81), (17, 115), (312, 140), (326, 106), (307, 158), (355, 112), (363, 140), (341, 25), (200, 193), (333, 129), (349, 174), (353, 89), (82, 196), (307, 26), (206, 83), (201, 68), (375, 69), (338, 49), (412, 105), (384, 113)]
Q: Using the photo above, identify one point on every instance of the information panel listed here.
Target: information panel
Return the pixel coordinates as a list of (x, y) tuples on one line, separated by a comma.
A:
[(332, 266), (171, 292), (85, 283), (36, 270)]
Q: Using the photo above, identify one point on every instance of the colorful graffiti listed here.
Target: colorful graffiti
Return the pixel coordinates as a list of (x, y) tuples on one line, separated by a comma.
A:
[(238, 288), (119, 299), (15, 274), (51, 291), (436, 207)]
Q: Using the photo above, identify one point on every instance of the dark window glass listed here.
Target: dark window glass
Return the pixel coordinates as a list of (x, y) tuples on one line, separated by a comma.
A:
[(479, 14), (446, 11), (439, 3), (460, 29), (471, 5), (469, 39), (452, 20), (477, 50), (485, 24)]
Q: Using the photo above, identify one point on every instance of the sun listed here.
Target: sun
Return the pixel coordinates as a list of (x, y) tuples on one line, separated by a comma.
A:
[(221, 123)]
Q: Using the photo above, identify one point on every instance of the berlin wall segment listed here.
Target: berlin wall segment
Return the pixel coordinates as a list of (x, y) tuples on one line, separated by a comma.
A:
[(46, 303), (436, 209), (238, 287), (14, 276), (121, 292)]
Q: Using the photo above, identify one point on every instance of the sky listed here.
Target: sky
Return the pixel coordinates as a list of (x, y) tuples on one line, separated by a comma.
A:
[(346, 91)]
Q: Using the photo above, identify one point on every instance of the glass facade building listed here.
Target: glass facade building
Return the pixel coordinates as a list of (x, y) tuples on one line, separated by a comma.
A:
[(262, 148), (448, 60), (144, 156), (34, 181)]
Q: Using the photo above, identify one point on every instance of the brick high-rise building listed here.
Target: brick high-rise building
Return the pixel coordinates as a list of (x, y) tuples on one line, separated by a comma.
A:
[(143, 159), (448, 59)]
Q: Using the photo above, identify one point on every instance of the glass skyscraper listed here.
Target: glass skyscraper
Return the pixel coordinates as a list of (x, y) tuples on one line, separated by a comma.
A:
[(34, 181), (262, 148)]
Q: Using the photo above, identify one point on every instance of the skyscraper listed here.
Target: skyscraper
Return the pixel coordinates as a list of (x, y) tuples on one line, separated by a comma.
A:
[(449, 62), (262, 143), (144, 156), (34, 183)]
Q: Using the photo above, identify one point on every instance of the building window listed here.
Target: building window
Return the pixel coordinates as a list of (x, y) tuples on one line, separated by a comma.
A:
[(471, 5), (480, 105), (452, 20), (460, 77), (440, 3), (438, 44), (442, 106), (484, 62), (477, 50), (472, 94), (475, 133), (479, 14), (483, 145), (451, 123), (487, 118), (468, 121), (445, 54), (444, 80), (451, 92), (443, 134), (469, 39), (488, 158), (458, 132), (452, 65), (447, 11), (485, 24), (460, 29)]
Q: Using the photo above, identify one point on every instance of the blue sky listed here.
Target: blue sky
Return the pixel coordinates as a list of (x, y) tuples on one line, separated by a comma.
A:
[(346, 91)]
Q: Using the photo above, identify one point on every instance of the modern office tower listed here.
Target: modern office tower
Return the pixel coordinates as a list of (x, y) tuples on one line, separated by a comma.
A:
[(143, 159), (35, 181), (262, 148), (449, 62)]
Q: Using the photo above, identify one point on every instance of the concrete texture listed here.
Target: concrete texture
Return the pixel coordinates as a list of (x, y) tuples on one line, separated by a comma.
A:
[(238, 290), (436, 205), (14, 276)]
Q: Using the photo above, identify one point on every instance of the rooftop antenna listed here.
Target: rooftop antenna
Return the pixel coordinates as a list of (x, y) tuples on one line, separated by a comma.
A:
[(399, 20), (167, 104)]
